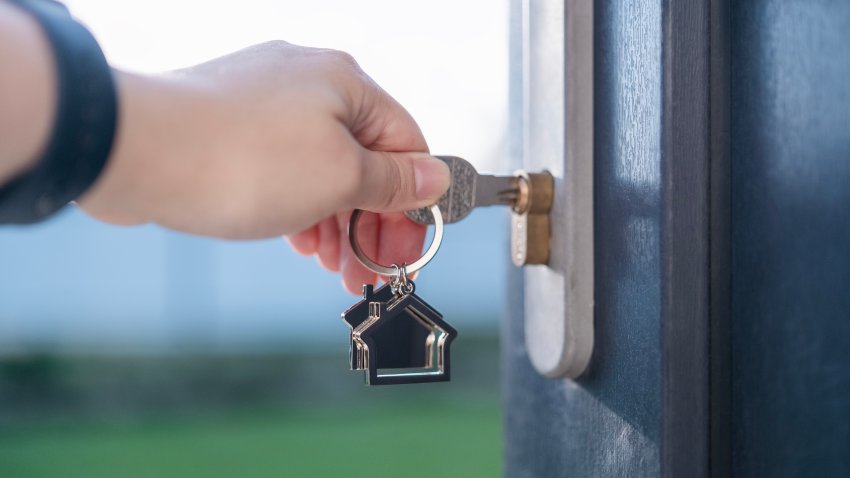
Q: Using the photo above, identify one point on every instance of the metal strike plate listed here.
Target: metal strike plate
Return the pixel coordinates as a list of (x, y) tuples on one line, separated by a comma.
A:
[(555, 72)]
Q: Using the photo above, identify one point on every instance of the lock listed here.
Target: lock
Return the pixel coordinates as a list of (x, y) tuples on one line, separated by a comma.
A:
[(530, 225), (529, 195), (559, 297)]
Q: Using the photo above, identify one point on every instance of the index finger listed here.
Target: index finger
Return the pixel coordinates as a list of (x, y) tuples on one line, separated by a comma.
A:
[(382, 124)]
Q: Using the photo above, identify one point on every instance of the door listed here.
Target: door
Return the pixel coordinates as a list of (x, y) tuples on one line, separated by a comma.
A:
[(721, 244)]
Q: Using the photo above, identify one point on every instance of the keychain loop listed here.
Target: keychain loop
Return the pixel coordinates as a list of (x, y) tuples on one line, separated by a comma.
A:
[(400, 282), (395, 269), (400, 277)]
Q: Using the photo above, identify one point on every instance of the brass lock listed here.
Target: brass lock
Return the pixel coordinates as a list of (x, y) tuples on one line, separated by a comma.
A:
[(529, 195), (530, 225)]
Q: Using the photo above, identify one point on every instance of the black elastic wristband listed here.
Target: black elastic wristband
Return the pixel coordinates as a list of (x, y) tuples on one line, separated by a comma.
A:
[(83, 128)]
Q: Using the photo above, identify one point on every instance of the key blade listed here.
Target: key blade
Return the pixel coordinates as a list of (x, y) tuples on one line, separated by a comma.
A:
[(496, 190)]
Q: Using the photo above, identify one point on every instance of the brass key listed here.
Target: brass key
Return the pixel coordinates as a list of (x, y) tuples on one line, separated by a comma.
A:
[(468, 191)]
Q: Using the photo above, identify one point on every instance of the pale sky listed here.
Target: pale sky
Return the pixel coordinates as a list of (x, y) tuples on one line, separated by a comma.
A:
[(444, 60)]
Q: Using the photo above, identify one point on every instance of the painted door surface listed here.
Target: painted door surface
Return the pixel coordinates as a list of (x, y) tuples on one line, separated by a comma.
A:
[(790, 169), (722, 249)]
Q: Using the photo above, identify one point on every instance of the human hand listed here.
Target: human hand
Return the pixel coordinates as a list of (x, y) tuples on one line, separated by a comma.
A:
[(272, 140)]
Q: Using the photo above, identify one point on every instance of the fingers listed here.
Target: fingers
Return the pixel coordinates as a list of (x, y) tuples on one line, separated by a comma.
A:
[(305, 242), (397, 172), (380, 123), (354, 275), (328, 245), (400, 181), (400, 241), (388, 238)]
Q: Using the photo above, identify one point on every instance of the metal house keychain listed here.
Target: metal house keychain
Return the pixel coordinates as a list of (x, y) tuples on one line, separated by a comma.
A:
[(396, 337)]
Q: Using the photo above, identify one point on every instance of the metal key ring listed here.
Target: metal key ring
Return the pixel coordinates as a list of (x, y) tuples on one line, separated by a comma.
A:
[(390, 270)]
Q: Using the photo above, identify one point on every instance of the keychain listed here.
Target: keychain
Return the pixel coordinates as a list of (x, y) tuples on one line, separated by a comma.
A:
[(396, 337)]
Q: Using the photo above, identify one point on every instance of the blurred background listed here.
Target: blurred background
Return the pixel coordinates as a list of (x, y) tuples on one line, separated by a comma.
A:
[(142, 352)]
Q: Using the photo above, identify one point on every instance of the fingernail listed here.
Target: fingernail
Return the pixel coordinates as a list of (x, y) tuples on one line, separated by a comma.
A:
[(432, 177)]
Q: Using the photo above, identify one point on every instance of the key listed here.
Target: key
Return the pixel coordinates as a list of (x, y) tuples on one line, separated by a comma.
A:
[(468, 191)]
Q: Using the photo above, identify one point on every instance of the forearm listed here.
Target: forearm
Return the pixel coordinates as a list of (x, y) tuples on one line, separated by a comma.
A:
[(27, 91)]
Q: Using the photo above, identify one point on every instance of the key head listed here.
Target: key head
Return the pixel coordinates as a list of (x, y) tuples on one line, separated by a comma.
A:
[(459, 200)]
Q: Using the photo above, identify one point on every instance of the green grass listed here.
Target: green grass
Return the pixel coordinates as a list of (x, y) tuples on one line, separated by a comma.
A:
[(414, 440)]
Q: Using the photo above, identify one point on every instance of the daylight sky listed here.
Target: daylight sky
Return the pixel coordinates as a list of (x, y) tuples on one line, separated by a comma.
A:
[(444, 60)]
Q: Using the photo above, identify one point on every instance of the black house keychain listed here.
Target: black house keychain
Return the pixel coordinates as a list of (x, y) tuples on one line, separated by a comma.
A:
[(397, 337)]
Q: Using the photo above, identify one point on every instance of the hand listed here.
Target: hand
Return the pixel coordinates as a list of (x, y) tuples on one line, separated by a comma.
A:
[(272, 140)]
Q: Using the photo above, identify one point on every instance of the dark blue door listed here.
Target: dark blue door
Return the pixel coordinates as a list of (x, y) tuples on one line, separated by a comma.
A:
[(722, 251), (790, 165)]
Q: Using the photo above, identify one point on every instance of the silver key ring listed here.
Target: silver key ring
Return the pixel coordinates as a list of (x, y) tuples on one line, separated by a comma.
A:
[(393, 270)]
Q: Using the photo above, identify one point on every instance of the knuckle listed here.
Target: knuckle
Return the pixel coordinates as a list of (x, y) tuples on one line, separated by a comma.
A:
[(276, 45), (341, 62), (342, 72), (344, 58)]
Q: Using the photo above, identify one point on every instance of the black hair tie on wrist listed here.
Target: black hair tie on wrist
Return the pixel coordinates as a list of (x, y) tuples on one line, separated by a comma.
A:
[(84, 125)]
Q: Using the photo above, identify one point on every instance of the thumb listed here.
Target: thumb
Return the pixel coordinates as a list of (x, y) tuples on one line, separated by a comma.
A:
[(401, 181)]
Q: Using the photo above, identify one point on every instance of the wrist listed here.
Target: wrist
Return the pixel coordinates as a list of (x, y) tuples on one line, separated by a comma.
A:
[(27, 91), (84, 119), (114, 196), (147, 145)]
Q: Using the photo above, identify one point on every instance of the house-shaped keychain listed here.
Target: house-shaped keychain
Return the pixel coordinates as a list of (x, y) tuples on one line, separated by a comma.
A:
[(403, 340), (358, 313)]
